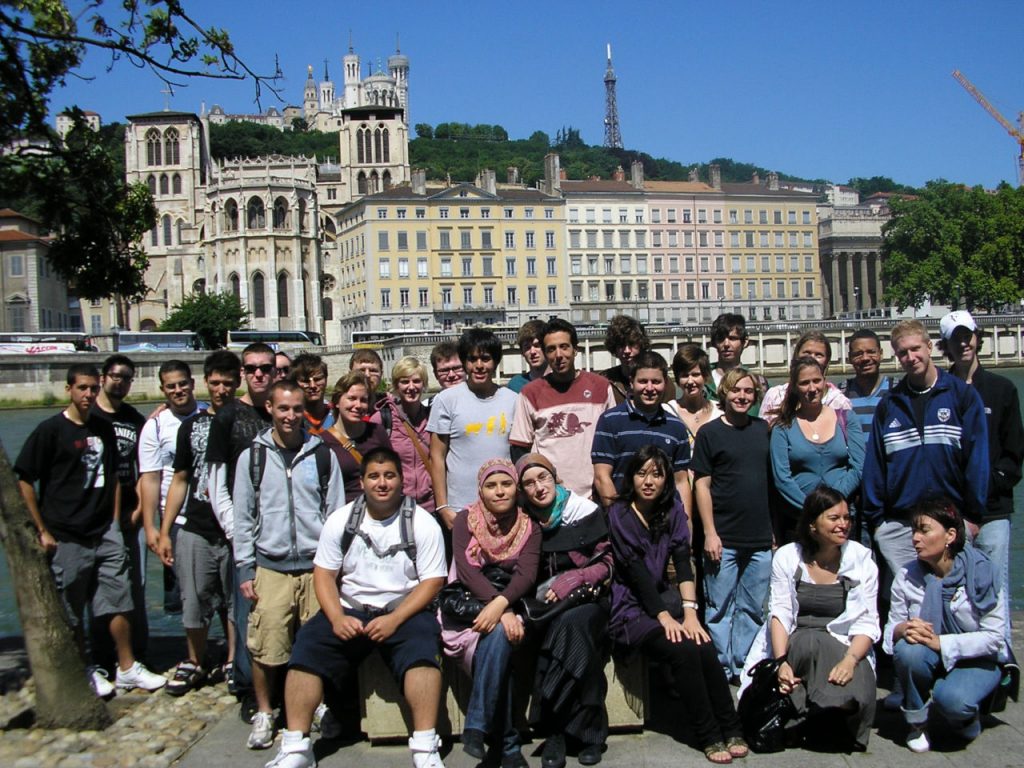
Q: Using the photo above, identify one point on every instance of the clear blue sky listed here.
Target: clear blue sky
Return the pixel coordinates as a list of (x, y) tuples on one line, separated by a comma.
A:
[(810, 89)]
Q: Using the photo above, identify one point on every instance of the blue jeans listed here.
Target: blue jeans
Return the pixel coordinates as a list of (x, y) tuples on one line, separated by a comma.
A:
[(243, 662), (994, 540), (956, 694), (736, 588), (490, 702)]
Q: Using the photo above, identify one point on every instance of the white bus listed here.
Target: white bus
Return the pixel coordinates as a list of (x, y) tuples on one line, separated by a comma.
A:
[(156, 341), (284, 341), (52, 343)]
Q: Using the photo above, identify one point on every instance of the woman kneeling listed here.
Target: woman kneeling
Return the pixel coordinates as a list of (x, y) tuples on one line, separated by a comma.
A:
[(945, 627), (648, 528)]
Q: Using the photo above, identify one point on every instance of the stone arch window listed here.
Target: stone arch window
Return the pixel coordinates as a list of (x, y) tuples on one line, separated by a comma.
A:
[(259, 296), (386, 178), (256, 215), (374, 182), (154, 236), (231, 216), (172, 155), (281, 213), (180, 227), (167, 229), (199, 286), (361, 183), (147, 325), (164, 184), (151, 183), (282, 294), (302, 215), (387, 149), (305, 294), (153, 153), (176, 184), (368, 147), (360, 154), (328, 309), (378, 153), (236, 286)]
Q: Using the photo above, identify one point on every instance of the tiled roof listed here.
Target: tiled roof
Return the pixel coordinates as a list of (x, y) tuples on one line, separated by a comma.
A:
[(599, 185), (678, 186), (17, 236)]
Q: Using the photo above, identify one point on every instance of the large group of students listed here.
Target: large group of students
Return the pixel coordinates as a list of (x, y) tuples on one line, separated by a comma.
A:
[(684, 514)]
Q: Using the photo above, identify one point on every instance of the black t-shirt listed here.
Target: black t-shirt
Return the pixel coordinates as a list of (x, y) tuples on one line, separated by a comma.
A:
[(736, 459), (190, 455), (232, 431), (127, 423), (74, 465), (374, 436)]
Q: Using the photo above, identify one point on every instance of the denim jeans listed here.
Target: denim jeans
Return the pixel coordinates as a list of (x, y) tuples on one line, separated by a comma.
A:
[(956, 694), (243, 662), (736, 588), (994, 540), (490, 701), (893, 539)]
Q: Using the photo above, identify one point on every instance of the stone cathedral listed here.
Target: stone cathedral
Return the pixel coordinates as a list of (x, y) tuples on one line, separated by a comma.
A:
[(263, 228)]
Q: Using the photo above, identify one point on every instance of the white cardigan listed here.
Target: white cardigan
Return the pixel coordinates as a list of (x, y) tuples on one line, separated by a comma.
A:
[(982, 635), (859, 618)]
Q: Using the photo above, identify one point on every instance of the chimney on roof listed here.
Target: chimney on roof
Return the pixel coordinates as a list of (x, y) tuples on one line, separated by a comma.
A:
[(562, 174), (513, 174), (773, 181), (619, 175), (694, 174), (755, 178), (488, 182), (716, 175), (419, 181), (552, 174), (636, 174)]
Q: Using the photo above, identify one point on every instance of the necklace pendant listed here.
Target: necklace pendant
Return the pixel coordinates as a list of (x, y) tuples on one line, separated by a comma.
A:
[(815, 437)]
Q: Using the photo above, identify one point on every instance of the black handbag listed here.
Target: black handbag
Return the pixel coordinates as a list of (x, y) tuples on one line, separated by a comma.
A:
[(460, 606), (539, 612), (764, 710)]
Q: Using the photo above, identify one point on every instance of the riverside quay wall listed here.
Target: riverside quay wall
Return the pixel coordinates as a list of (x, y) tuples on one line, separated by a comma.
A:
[(26, 379)]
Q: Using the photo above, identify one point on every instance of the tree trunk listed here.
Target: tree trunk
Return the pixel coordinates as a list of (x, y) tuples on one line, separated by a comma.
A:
[(64, 698)]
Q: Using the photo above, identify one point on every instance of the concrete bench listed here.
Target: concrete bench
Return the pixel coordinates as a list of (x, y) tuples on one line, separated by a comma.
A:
[(385, 715)]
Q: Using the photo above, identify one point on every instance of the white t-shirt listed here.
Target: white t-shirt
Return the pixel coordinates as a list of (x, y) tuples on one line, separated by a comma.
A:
[(372, 581), (157, 444)]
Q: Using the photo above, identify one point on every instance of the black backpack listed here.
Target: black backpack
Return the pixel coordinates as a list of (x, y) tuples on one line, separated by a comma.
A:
[(407, 543)]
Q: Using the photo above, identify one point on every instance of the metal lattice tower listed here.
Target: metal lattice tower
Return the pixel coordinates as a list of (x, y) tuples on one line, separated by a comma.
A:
[(612, 136)]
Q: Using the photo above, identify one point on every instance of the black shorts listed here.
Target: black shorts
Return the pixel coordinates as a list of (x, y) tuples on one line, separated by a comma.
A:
[(416, 643)]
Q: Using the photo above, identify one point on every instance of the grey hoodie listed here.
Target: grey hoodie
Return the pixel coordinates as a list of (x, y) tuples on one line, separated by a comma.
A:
[(285, 536)]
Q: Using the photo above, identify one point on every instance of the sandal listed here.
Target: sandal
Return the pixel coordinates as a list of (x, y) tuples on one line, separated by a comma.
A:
[(718, 753), (737, 747), (188, 676)]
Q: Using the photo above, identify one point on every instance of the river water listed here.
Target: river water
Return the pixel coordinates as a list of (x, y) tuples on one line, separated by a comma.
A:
[(15, 426)]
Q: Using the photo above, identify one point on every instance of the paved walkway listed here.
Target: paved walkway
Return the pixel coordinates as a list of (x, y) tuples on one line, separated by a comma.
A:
[(1001, 745)]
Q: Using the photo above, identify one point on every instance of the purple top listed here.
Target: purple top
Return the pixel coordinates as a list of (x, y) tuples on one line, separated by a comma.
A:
[(632, 542)]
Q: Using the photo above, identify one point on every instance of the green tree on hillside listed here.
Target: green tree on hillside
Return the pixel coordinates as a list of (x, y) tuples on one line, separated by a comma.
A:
[(955, 245)]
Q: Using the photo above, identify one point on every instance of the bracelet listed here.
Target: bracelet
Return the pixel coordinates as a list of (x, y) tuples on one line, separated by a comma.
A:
[(443, 506), (692, 604)]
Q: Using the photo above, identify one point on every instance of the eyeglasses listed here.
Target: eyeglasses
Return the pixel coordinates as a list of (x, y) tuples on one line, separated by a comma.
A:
[(455, 370), (265, 369), (542, 479), (283, 371), (120, 376)]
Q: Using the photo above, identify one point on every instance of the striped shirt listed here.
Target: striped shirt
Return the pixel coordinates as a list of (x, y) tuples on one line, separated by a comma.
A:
[(624, 429), (864, 404)]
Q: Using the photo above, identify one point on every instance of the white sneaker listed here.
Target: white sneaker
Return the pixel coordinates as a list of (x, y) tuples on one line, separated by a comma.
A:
[(427, 758), (137, 676), (262, 734), (318, 717), (100, 682), (917, 740), (298, 755)]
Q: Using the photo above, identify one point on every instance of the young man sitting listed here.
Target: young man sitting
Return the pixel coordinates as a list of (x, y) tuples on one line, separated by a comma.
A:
[(378, 567)]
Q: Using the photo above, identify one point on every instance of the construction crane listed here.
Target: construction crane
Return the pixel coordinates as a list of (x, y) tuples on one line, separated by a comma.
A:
[(1017, 132)]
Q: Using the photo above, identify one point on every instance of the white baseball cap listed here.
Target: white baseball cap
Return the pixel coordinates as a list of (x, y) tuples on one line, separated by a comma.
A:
[(954, 320)]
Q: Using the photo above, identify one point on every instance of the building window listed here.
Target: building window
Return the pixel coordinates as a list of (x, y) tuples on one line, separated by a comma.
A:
[(467, 266), (382, 241), (445, 238), (467, 295), (382, 213), (16, 265), (576, 265), (510, 266), (531, 295), (465, 240), (531, 267), (403, 268), (510, 239), (485, 239), (154, 155), (167, 230), (809, 289), (385, 298), (256, 217), (549, 213), (552, 295), (551, 262), (512, 295), (463, 213), (403, 298), (421, 241), (385, 268), (259, 297), (421, 267), (442, 213), (446, 267), (176, 184), (687, 216), (530, 241), (282, 295), (423, 294), (403, 241), (508, 213)]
